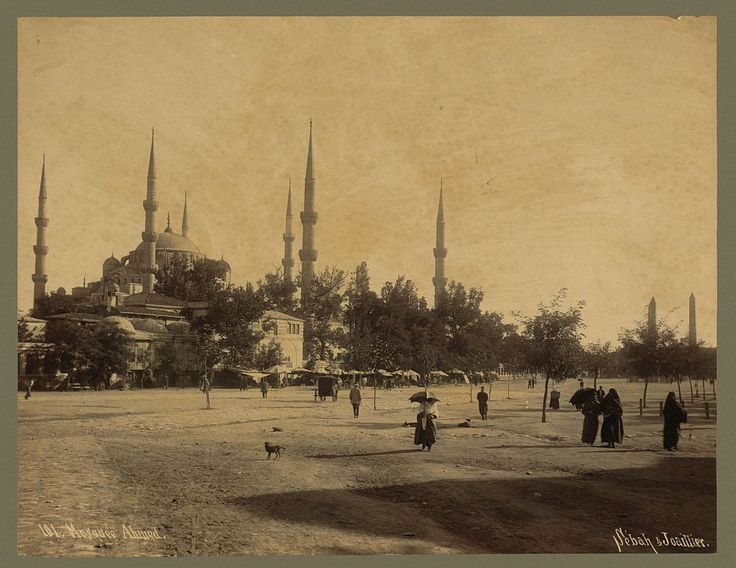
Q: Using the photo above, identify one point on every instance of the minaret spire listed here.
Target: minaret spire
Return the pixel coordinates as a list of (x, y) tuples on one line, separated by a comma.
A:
[(288, 261), (150, 205), (185, 218), (440, 253), (308, 254), (40, 249), (693, 332)]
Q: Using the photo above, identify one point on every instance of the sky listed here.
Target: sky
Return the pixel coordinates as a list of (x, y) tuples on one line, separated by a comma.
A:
[(576, 152)]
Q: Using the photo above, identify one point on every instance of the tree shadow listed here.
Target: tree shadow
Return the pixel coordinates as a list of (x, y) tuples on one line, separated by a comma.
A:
[(517, 515)]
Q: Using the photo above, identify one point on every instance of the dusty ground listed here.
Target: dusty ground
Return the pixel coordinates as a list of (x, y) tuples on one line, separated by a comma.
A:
[(157, 460)]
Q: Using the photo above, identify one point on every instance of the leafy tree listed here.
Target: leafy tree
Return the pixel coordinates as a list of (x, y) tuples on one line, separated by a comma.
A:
[(111, 351), (194, 281), (24, 333), (72, 346), (232, 328), (515, 352), (56, 304), (176, 361), (555, 336), (598, 359), (323, 307), (269, 355), (279, 294)]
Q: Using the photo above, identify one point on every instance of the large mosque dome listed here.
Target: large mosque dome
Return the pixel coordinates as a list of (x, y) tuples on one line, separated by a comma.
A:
[(169, 241)]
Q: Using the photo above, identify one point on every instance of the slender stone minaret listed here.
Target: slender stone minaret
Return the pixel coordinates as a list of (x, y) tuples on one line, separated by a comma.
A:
[(652, 317), (308, 253), (693, 335), (185, 218), (288, 261), (440, 252), (149, 235), (40, 249)]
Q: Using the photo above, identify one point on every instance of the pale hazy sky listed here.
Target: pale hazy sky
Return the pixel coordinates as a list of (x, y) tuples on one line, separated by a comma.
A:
[(578, 152)]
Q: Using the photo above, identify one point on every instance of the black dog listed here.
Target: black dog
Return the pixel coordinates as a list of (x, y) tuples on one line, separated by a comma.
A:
[(273, 449)]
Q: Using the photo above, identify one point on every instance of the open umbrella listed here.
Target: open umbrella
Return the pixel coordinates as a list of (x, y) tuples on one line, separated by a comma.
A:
[(581, 396), (421, 396)]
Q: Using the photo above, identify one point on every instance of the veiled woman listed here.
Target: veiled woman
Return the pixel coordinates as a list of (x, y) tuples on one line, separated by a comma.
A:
[(426, 431), (673, 415), (612, 431), (591, 409)]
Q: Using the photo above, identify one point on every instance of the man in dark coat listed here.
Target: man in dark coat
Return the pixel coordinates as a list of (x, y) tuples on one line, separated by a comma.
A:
[(612, 431), (482, 397), (673, 415), (591, 410)]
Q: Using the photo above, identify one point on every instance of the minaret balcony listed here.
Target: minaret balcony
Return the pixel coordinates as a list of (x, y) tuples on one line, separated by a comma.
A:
[(309, 255), (150, 205), (288, 238), (440, 252), (309, 217), (440, 282), (40, 278), (42, 222), (42, 250), (149, 237)]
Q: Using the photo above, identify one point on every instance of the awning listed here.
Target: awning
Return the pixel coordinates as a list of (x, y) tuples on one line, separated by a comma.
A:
[(438, 374)]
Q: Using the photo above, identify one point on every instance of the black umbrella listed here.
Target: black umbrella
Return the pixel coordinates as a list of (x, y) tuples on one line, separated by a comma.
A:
[(421, 396), (581, 396)]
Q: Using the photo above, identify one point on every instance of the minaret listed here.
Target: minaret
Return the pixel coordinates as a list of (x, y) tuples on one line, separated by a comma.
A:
[(693, 335), (440, 252), (185, 218), (288, 261), (40, 249), (149, 235), (652, 317), (308, 253)]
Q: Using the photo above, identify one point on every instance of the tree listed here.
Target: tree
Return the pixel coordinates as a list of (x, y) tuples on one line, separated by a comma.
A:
[(24, 333), (56, 304), (649, 352), (269, 355), (555, 337), (72, 346), (111, 351), (175, 361), (279, 294), (322, 308), (232, 328), (597, 359), (194, 281)]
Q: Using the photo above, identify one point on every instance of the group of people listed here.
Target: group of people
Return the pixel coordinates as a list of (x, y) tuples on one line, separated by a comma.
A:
[(609, 405)]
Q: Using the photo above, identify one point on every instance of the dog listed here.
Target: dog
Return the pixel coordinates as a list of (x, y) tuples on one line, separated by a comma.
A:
[(273, 449)]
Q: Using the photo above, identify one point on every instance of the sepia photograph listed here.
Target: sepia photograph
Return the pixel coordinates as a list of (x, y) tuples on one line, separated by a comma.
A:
[(326, 286)]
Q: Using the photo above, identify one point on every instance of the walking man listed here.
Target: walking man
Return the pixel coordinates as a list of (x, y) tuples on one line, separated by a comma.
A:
[(355, 400), (29, 386), (264, 388), (482, 397)]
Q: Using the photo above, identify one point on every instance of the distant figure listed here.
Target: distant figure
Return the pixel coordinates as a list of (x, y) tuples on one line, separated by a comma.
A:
[(29, 386), (612, 431), (243, 383), (264, 388), (591, 410), (529, 384), (673, 415), (335, 390), (601, 394), (316, 394), (582, 384), (482, 397), (355, 398), (426, 431), (554, 399), (534, 383)]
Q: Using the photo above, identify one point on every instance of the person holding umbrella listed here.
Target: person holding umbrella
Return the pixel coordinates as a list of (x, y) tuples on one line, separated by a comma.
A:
[(586, 401), (426, 431)]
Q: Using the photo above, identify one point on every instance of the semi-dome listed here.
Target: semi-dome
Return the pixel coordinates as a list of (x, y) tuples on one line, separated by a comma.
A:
[(149, 325), (171, 241), (121, 322)]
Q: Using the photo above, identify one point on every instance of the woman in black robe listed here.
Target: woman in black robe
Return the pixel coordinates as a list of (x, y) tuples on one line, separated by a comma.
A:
[(673, 415), (591, 409), (612, 431), (425, 433)]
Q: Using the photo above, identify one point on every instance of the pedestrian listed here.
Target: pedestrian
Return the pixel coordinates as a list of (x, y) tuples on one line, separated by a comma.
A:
[(554, 399), (591, 409), (582, 384), (482, 397), (242, 382), (673, 415), (534, 382), (426, 431), (612, 431), (29, 386), (529, 384), (601, 394), (264, 388), (335, 390), (355, 398)]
